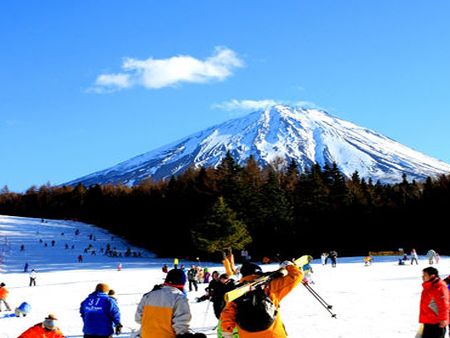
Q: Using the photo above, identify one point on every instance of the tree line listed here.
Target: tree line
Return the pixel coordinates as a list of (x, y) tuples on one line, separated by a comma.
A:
[(270, 211)]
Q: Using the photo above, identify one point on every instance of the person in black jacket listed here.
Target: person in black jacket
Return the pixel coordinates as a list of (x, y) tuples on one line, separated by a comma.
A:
[(210, 289), (216, 291), (217, 298)]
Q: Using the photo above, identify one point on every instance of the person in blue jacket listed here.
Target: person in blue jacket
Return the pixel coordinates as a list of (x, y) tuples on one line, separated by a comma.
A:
[(100, 314)]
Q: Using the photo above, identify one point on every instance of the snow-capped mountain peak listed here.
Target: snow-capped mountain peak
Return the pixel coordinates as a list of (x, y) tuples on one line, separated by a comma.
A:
[(307, 136)]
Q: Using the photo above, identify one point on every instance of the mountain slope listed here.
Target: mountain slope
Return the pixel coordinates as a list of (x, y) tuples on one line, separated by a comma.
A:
[(281, 132)]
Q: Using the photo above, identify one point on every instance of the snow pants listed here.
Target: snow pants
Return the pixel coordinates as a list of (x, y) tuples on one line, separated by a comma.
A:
[(433, 331), (194, 283), (8, 308)]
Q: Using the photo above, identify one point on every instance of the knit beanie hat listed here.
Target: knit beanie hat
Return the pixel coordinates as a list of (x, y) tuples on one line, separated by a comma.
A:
[(176, 277), (248, 269), (102, 287)]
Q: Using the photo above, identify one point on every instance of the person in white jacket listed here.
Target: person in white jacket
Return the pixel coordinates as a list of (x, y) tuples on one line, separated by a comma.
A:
[(33, 276), (164, 312), (414, 257)]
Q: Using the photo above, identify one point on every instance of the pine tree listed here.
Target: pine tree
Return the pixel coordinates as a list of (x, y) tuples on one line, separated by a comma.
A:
[(221, 230)]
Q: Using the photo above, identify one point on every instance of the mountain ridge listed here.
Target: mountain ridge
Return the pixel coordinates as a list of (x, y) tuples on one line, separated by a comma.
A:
[(306, 136)]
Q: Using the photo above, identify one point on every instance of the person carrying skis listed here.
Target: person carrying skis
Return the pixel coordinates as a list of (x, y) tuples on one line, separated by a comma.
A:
[(3, 295), (100, 313), (276, 290), (434, 304), (46, 329), (164, 312)]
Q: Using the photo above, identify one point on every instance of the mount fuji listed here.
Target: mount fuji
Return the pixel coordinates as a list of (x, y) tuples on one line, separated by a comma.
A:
[(306, 136)]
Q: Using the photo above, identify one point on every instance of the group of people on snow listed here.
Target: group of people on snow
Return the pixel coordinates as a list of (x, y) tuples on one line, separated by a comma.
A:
[(164, 311), (332, 256)]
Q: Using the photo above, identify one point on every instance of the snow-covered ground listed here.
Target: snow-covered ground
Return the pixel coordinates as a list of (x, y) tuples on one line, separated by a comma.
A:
[(381, 300)]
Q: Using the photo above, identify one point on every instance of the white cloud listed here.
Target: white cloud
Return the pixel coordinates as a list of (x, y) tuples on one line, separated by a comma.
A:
[(251, 105), (245, 104), (158, 73), (113, 80)]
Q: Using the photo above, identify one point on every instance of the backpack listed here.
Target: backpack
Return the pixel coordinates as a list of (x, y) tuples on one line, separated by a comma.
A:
[(255, 311)]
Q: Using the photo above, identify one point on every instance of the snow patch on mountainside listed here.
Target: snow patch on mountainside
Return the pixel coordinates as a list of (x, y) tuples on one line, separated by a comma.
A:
[(306, 136)]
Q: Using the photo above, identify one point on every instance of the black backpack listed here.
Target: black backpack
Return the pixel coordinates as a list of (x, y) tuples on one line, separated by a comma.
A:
[(255, 311)]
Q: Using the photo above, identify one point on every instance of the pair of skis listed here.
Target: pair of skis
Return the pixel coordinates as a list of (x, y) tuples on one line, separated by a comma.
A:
[(264, 279)]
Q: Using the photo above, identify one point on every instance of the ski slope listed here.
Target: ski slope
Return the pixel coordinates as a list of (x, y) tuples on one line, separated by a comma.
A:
[(377, 301)]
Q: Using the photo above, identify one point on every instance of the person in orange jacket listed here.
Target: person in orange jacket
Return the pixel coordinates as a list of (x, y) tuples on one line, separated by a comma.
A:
[(228, 262), (434, 304), (3, 295), (46, 329), (277, 289)]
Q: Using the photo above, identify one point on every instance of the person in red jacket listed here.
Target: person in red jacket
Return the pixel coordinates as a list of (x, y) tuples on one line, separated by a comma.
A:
[(46, 329), (434, 304)]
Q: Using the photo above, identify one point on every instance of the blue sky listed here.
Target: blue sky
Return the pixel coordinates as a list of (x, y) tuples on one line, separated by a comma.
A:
[(87, 84)]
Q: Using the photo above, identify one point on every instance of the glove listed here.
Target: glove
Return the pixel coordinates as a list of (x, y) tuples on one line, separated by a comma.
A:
[(285, 264), (119, 328), (227, 334)]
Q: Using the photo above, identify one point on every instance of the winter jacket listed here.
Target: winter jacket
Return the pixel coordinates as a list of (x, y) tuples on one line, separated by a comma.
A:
[(38, 331), (277, 290), (163, 313), (434, 302), (3, 293), (99, 312), (218, 296)]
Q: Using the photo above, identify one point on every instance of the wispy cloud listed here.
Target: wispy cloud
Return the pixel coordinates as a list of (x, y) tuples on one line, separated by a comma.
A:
[(251, 105), (159, 73)]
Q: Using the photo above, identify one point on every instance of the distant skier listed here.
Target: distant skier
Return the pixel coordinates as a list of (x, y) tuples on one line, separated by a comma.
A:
[(119, 267), (368, 260), (165, 268), (431, 255), (80, 259), (324, 258), (192, 278), (33, 276), (3, 295), (25, 267), (414, 257), (333, 256)]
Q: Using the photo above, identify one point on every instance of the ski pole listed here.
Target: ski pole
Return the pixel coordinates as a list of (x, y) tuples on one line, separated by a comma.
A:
[(206, 312), (314, 292), (327, 306)]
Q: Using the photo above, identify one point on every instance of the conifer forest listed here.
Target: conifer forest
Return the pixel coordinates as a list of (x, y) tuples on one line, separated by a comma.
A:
[(271, 211)]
